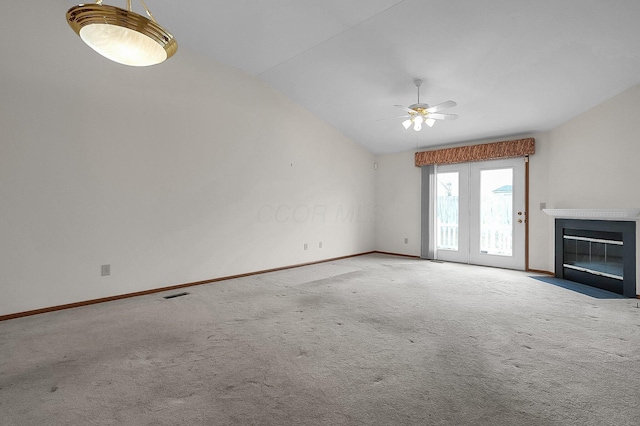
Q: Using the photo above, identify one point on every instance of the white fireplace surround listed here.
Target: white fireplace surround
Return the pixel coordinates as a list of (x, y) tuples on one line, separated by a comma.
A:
[(603, 214), (595, 214)]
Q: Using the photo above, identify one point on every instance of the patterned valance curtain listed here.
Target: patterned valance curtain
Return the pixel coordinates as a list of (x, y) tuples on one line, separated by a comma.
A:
[(486, 151)]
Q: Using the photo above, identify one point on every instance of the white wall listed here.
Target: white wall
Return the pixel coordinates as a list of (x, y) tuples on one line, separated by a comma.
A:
[(397, 183), (540, 228), (593, 159), (177, 173)]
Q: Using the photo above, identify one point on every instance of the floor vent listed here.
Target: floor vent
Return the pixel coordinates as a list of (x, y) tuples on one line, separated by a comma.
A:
[(173, 296), (437, 261)]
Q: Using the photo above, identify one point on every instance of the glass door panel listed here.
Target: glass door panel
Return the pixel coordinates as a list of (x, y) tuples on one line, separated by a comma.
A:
[(496, 212), (497, 215), (448, 211), (452, 218)]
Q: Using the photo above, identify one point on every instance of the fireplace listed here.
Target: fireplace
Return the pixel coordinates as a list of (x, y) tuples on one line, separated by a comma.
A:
[(599, 253)]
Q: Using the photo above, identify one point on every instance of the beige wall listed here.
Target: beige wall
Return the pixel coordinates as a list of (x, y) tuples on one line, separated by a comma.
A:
[(593, 161), (177, 173), (540, 232), (397, 184)]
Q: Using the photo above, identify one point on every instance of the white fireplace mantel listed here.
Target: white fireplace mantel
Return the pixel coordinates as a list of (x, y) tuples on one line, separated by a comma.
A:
[(595, 214)]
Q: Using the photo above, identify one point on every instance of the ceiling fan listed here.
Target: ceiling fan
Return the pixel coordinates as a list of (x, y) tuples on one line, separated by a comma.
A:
[(423, 113)]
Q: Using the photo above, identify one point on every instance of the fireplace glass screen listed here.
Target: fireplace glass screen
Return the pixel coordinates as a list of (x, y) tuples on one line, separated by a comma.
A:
[(595, 252)]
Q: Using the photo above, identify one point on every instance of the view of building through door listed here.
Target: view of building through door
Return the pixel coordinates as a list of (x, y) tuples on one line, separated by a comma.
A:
[(479, 214), (452, 213)]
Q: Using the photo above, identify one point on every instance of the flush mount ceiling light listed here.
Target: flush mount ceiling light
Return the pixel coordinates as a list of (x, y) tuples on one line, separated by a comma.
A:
[(424, 114), (122, 35)]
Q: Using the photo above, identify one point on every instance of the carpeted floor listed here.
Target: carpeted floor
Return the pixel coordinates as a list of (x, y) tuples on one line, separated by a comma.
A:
[(370, 340)]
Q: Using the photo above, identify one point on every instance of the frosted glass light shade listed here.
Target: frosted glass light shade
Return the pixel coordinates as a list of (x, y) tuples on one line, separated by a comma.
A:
[(121, 35), (407, 123), (430, 122), (123, 45)]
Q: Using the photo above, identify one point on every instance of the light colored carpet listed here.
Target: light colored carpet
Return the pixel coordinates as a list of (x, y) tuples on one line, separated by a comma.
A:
[(373, 339)]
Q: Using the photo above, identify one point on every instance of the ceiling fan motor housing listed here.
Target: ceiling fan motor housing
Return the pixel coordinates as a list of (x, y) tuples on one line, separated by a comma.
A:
[(419, 107)]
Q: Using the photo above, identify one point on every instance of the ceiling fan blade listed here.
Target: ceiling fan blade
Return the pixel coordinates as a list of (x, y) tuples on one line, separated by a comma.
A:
[(409, 110), (440, 116), (440, 107), (393, 118)]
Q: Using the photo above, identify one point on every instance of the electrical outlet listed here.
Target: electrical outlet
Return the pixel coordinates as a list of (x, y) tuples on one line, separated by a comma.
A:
[(320, 244), (306, 246), (105, 270), (406, 241)]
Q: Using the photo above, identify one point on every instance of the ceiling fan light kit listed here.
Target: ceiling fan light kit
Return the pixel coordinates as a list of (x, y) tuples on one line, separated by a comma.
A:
[(122, 35), (420, 113)]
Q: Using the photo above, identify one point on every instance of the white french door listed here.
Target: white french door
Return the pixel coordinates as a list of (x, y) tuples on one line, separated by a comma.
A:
[(479, 213)]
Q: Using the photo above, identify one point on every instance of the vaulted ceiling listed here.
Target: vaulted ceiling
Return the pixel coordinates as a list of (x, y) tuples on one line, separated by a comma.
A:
[(513, 66)]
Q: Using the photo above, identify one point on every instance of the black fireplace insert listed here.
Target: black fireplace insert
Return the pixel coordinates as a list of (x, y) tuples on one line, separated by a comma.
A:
[(599, 253)]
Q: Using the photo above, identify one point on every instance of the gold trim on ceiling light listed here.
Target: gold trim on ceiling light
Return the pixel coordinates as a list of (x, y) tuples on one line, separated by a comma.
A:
[(122, 35)]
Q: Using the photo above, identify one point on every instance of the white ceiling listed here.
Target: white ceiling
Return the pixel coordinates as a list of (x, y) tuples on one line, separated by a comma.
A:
[(513, 66)]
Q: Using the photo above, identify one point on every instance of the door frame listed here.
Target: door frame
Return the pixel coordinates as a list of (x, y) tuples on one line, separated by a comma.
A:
[(428, 232)]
